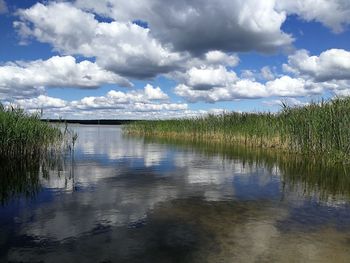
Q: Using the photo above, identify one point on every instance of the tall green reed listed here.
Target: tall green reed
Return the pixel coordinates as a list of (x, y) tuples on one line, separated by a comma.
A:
[(23, 134), (316, 129)]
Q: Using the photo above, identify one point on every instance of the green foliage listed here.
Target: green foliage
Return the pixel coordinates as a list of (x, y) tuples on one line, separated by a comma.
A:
[(316, 129), (23, 134), (319, 127)]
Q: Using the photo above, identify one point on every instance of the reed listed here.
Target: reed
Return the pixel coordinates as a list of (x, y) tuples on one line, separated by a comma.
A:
[(321, 128), (25, 135)]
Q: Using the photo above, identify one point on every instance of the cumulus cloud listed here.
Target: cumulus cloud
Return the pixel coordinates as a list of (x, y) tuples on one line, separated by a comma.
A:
[(330, 70), (333, 14), (216, 57), (212, 84), (137, 99), (211, 59), (200, 26), (121, 47), (208, 77), (152, 93), (42, 101), (242, 89), (287, 86), (29, 78), (115, 104), (333, 64)]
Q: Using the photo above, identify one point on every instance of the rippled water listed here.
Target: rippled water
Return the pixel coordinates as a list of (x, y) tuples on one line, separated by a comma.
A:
[(124, 199)]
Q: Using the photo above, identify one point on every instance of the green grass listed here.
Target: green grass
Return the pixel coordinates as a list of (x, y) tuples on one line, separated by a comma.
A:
[(25, 135), (317, 129)]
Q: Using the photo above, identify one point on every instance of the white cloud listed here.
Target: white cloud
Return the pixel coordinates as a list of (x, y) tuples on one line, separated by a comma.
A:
[(329, 71), (41, 101), (136, 99), (331, 13), (121, 47), (155, 93), (60, 24), (292, 87), (333, 64), (115, 104), (206, 78), (242, 89), (19, 78), (198, 66), (216, 57), (213, 84), (200, 26), (141, 107)]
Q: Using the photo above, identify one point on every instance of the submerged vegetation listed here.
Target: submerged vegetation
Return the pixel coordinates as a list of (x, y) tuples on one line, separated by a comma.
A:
[(25, 135), (316, 129)]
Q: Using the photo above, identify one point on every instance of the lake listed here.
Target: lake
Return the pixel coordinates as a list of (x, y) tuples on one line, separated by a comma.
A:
[(129, 199)]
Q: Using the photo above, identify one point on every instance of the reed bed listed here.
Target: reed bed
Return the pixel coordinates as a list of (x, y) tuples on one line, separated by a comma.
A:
[(25, 135), (316, 129)]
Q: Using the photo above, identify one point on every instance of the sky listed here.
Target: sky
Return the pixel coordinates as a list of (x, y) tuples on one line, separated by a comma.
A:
[(156, 59)]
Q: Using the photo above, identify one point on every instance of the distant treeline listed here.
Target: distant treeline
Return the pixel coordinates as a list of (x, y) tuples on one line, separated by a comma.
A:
[(316, 129), (91, 122)]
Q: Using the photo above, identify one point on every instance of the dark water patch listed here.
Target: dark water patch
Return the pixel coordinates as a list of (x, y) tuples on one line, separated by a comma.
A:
[(312, 216)]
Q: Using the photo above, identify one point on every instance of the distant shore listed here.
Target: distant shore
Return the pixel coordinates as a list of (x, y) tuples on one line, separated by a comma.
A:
[(91, 122)]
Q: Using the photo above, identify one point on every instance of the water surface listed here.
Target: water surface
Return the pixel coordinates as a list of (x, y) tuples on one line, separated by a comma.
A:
[(125, 199)]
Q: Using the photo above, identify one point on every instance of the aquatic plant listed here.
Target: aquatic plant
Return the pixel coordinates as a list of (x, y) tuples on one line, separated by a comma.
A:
[(25, 135), (316, 129)]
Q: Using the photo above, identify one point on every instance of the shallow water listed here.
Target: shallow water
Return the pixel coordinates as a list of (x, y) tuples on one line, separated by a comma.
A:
[(125, 199)]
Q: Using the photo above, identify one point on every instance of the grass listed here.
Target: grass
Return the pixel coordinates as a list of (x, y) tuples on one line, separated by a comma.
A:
[(25, 135), (316, 129)]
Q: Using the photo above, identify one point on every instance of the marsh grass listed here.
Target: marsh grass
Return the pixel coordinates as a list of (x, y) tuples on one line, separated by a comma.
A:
[(25, 135), (318, 129)]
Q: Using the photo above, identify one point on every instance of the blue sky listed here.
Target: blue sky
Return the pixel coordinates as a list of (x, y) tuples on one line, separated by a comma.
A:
[(165, 59)]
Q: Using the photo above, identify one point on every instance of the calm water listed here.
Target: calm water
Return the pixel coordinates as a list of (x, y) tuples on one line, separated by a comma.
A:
[(123, 199)]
